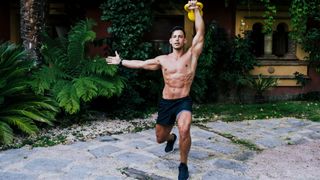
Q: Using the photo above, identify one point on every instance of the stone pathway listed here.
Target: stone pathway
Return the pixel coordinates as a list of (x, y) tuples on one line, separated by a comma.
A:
[(219, 150)]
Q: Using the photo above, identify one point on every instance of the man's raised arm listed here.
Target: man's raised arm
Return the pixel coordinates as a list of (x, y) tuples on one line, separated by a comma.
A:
[(198, 40), (150, 64)]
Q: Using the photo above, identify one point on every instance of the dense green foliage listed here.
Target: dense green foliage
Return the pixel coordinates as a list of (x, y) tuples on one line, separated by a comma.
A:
[(224, 64), (300, 12), (70, 75), (130, 21), (269, 16), (20, 108), (305, 22)]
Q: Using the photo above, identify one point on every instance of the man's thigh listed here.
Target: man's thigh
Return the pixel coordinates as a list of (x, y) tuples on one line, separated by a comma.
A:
[(184, 120), (163, 130)]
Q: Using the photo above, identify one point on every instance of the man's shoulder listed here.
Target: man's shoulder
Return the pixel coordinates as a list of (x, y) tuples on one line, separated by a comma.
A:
[(162, 57)]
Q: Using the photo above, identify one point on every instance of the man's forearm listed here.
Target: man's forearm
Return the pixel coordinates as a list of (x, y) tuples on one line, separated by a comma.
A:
[(133, 64), (199, 23)]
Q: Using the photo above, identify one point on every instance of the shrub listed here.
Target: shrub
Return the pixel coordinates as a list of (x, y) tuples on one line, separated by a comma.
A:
[(20, 108), (70, 75)]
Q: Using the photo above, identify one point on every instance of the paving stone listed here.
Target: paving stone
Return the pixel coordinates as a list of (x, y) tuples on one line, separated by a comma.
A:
[(314, 136), (13, 156), (16, 176), (298, 123), (108, 178), (202, 134), (200, 155), (138, 174), (221, 175), (138, 144), (45, 165), (103, 151), (78, 172), (221, 126), (219, 147), (167, 165), (243, 156), (286, 130), (158, 150), (269, 142), (229, 164), (130, 157)]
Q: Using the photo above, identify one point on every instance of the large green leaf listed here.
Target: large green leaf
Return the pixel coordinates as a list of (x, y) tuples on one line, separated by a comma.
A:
[(6, 134)]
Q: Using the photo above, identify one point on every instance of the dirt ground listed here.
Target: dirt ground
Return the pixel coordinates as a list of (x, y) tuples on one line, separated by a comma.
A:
[(292, 162)]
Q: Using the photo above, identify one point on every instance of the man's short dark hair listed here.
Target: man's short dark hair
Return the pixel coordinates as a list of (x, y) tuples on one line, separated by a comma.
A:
[(177, 28)]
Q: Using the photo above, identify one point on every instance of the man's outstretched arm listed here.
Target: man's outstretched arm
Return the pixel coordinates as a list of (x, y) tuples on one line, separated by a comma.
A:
[(150, 64)]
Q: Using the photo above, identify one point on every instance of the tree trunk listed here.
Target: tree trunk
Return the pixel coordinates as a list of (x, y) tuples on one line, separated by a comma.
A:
[(32, 23)]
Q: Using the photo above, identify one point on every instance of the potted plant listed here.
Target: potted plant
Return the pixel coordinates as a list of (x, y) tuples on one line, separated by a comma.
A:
[(260, 85)]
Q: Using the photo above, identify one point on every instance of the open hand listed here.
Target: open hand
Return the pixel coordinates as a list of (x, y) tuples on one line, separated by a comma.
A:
[(113, 59)]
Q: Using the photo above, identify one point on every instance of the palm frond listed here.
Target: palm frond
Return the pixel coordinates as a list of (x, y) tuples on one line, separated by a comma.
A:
[(24, 124), (20, 107), (6, 133)]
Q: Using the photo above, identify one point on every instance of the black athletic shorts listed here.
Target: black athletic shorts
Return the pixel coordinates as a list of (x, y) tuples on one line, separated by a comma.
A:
[(170, 108)]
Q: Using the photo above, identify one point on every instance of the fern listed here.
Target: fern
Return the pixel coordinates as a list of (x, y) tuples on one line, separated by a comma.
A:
[(98, 66), (68, 99), (72, 77), (78, 36), (86, 89)]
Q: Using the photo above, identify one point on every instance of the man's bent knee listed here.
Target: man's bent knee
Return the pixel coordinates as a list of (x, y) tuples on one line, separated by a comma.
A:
[(160, 139)]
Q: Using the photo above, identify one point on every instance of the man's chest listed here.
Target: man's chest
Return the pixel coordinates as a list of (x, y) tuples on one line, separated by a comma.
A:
[(172, 67)]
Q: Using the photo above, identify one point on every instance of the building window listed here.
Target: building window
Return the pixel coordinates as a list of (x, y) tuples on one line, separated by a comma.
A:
[(280, 40), (257, 38)]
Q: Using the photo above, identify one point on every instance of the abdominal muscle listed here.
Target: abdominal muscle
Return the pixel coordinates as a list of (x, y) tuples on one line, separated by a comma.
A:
[(177, 85)]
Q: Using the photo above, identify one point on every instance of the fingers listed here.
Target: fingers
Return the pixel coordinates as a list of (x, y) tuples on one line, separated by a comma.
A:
[(192, 4), (109, 60), (117, 53)]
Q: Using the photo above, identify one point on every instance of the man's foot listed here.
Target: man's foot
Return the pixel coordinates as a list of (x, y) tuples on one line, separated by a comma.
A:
[(183, 172), (170, 144)]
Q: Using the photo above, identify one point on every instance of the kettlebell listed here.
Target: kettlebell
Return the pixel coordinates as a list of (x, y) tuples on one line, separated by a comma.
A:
[(191, 12)]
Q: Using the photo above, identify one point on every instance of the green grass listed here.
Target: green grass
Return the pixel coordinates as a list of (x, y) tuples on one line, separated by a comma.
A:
[(237, 112)]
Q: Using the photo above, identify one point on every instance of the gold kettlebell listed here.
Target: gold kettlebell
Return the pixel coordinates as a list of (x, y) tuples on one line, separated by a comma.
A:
[(191, 12)]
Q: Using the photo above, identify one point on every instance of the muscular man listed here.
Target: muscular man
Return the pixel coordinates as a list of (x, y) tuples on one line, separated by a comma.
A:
[(178, 69)]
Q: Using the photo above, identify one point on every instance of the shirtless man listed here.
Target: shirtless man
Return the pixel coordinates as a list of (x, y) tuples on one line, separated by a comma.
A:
[(178, 69)]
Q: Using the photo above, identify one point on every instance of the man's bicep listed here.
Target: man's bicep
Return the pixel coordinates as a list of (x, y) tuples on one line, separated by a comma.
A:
[(197, 45)]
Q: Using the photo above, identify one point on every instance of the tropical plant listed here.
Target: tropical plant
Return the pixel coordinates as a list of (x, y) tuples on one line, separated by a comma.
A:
[(73, 77), (260, 84), (20, 108)]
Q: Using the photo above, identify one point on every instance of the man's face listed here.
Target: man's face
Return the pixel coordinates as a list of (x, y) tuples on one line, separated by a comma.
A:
[(177, 39)]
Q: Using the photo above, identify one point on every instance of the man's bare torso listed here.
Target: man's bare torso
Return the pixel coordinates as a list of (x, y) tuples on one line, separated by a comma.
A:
[(177, 74)]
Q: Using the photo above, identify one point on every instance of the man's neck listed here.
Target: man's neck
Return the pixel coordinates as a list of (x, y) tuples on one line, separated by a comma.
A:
[(177, 53)]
